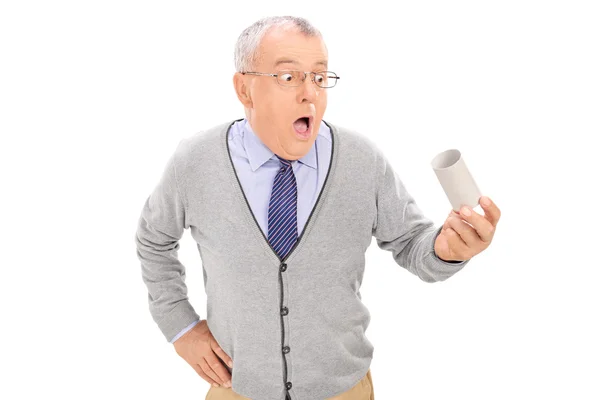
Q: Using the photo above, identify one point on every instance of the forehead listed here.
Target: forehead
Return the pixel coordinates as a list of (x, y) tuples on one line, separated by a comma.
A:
[(290, 47)]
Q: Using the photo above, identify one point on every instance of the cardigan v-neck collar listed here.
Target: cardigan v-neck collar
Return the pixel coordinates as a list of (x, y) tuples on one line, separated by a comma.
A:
[(251, 218)]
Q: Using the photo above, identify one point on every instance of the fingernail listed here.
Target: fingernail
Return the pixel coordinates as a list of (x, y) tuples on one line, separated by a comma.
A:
[(230, 364), (228, 384), (485, 201), (215, 384), (466, 211)]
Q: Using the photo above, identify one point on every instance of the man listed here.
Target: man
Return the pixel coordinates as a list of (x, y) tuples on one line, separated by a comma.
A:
[(283, 206)]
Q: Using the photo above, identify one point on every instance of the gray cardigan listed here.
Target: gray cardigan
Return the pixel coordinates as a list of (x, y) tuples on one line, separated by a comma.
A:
[(294, 328)]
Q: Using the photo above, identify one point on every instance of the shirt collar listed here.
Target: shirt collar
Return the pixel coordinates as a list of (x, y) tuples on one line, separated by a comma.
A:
[(258, 152)]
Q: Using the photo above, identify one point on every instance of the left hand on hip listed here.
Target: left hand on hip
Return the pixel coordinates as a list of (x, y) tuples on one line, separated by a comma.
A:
[(464, 236)]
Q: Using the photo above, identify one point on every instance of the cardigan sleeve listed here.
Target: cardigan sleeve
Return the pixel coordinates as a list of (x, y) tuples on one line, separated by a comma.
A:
[(159, 229), (402, 228)]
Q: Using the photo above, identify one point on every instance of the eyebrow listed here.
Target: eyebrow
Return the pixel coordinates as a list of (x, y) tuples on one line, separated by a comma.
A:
[(290, 61)]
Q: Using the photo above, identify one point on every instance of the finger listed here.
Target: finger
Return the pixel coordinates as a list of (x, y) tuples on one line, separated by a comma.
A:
[(457, 246), (204, 375), (207, 368), (466, 232), (451, 214), (482, 225), (462, 217), (218, 367), (491, 210), (446, 224), (221, 353)]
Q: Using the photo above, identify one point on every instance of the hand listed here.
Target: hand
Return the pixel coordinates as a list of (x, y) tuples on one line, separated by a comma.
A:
[(199, 348), (464, 236)]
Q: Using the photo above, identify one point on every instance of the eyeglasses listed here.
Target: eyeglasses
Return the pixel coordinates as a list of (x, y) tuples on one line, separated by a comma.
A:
[(323, 79)]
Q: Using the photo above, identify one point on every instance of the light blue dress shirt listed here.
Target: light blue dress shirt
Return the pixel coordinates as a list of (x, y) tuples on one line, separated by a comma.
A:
[(256, 166)]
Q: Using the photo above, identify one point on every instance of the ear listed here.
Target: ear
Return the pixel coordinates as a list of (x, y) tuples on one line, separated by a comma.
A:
[(240, 84)]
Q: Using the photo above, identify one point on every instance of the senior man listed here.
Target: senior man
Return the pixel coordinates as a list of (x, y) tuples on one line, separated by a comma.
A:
[(283, 206)]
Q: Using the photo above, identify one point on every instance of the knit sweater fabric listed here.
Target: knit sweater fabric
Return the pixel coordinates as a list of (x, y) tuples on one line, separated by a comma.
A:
[(294, 327)]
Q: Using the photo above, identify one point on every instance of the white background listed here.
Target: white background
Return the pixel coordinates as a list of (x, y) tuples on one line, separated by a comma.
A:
[(94, 97)]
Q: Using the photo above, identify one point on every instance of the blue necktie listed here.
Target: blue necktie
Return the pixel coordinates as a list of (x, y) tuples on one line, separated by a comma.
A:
[(283, 228)]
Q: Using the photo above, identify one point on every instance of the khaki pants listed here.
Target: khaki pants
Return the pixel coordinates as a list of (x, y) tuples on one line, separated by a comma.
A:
[(363, 390)]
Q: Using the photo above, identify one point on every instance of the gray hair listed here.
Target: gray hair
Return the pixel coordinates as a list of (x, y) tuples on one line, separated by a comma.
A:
[(246, 47)]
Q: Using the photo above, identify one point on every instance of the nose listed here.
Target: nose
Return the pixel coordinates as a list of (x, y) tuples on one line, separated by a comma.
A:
[(308, 90)]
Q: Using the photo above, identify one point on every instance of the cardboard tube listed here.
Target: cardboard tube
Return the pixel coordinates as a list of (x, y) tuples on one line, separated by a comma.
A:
[(456, 180)]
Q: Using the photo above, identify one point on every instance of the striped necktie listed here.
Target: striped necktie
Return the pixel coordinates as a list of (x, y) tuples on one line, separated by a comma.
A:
[(283, 228)]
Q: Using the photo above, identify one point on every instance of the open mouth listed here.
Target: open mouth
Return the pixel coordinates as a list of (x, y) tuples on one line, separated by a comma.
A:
[(303, 124)]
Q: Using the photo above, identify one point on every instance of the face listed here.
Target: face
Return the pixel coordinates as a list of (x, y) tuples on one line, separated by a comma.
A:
[(274, 111)]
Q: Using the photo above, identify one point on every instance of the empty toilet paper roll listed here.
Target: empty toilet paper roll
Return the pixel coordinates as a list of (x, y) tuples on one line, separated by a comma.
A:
[(456, 180)]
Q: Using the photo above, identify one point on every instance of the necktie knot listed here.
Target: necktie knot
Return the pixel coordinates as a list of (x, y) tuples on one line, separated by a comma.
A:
[(284, 163)]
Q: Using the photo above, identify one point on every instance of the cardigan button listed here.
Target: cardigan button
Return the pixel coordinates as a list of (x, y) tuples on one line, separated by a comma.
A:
[(283, 267), (286, 349), (284, 311), (288, 385)]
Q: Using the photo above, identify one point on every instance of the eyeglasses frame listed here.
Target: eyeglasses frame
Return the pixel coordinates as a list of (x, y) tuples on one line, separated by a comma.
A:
[(306, 73)]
